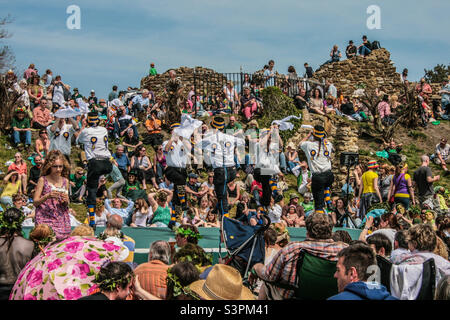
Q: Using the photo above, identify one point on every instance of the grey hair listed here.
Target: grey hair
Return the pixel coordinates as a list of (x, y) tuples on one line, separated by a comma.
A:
[(159, 250), (424, 158), (120, 145)]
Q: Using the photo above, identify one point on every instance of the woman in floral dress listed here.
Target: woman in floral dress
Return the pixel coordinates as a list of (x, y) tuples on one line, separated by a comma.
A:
[(51, 198)]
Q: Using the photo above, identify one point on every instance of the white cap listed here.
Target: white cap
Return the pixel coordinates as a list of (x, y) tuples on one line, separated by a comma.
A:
[(92, 90)]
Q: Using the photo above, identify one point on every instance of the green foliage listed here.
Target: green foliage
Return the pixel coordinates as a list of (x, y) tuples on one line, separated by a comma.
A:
[(276, 107), (438, 74), (417, 134)]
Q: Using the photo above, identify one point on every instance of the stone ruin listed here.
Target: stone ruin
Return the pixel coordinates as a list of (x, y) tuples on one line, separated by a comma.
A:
[(374, 71), (206, 80)]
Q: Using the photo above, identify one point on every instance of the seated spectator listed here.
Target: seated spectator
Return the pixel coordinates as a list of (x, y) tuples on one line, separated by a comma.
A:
[(365, 48), (132, 189), (131, 142), (233, 126), (15, 250), (282, 268), (352, 274), (423, 88), (159, 163), (153, 126), (307, 204), (422, 242), (194, 190), (348, 109), (115, 281), (41, 115), (114, 230), (316, 102), (192, 218), (233, 193), (400, 245), (35, 174), (101, 214), (77, 185), (342, 235), (291, 157), (102, 192), (292, 219), (160, 207), (211, 220), (123, 122), (152, 274), (141, 164), (249, 104), (35, 91), (256, 190), (350, 51), (301, 100), (116, 209), (166, 184), (20, 166), (92, 99), (384, 110), (230, 94), (209, 183), (335, 54), (276, 207), (179, 277), (21, 128), (242, 207), (380, 244), (42, 144), (293, 201), (118, 182), (445, 97), (441, 154), (188, 235), (122, 161), (142, 213), (139, 104)]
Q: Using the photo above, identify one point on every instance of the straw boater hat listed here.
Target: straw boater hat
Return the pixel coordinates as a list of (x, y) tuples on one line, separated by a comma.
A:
[(223, 283)]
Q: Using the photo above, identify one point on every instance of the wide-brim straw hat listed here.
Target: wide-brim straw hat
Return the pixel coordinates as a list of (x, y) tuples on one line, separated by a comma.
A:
[(223, 283)]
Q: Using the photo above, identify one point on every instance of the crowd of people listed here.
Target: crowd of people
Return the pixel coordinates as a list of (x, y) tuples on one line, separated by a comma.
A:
[(96, 152)]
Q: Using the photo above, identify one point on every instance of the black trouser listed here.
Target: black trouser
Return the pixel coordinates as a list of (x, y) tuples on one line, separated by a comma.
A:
[(221, 177), (267, 190), (319, 182), (96, 168), (154, 139), (178, 177)]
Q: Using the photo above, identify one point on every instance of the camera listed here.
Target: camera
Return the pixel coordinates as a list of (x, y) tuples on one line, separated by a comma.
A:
[(349, 159), (376, 222)]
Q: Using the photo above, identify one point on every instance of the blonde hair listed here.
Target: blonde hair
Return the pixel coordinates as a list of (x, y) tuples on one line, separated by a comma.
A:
[(83, 230)]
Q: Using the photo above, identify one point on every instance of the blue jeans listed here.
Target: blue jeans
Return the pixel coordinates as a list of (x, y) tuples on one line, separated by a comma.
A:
[(19, 136), (292, 165), (282, 161), (364, 51), (357, 117)]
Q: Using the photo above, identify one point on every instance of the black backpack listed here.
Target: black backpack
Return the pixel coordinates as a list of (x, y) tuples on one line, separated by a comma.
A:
[(375, 45)]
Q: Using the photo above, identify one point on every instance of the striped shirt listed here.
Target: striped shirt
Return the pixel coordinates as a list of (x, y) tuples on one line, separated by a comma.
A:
[(282, 268), (152, 277)]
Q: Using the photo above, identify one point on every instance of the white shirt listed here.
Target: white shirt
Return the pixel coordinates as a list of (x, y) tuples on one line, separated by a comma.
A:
[(443, 151), (61, 139), (95, 141), (317, 162), (178, 154), (101, 221), (222, 147), (268, 161), (141, 218), (275, 213)]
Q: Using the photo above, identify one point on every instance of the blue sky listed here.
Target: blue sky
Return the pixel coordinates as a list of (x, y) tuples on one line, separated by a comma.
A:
[(118, 39)]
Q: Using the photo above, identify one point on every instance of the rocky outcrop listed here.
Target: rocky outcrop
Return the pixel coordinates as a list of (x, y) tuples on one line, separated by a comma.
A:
[(206, 80), (374, 71)]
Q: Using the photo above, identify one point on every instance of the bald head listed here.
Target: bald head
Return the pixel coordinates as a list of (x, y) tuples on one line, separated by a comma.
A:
[(115, 221)]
